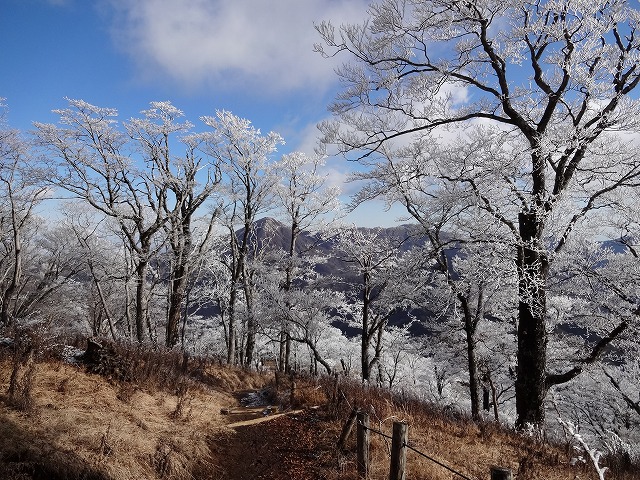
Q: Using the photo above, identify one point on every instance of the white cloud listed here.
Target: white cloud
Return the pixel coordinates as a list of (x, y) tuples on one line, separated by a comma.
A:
[(240, 43), (303, 138)]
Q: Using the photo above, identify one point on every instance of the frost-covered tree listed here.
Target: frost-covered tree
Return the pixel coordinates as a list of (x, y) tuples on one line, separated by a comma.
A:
[(244, 155), (190, 180), (20, 193), (108, 305), (131, 175), (480, 281), (306, 314), (92, 159), (382, 282), (308, 205), (551, 81), (596, 290)]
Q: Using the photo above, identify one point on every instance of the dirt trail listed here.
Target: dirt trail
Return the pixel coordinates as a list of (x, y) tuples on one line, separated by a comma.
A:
[(286, 447), (261, 417)]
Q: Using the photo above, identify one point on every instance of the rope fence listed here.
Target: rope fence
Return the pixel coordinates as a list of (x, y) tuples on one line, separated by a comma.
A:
[(438, 463), (399, 447)]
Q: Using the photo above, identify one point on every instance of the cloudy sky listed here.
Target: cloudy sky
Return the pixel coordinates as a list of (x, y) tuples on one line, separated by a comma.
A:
[(252, 57)]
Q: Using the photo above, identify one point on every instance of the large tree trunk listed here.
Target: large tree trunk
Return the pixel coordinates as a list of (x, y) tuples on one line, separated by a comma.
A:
[(285, 337), (245, 275), (284, 358), (6, 318), (252, 326), (366, 337), (364, 353), (470, 325), (532, 334), (473, 376), (236, 268), (231, 336), (141, 300), (182, 253), (176, 302)]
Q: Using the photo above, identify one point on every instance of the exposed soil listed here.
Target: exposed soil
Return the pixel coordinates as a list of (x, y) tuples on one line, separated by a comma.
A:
[(287, 447)]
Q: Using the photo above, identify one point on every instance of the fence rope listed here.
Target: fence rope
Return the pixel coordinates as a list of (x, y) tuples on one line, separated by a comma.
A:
[(376, 431), (437, 462), (419, 453)]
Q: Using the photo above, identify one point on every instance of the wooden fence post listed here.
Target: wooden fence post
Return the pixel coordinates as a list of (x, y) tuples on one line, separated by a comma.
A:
[(346, 429), (500, 473), (363, 445), (398, 451)]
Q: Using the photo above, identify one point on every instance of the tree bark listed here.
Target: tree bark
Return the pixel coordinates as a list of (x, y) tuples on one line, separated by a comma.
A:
[(180, 240), (366, 337), (103, 300), (472, 363), (532, 334), (176, 301), (6, 319), (141, 300), (252, 326), (179, 279), (231, 336), (285, 336)]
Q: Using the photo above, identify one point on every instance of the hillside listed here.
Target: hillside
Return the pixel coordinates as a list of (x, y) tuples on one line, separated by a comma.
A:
[(172, 419), (339, 275)]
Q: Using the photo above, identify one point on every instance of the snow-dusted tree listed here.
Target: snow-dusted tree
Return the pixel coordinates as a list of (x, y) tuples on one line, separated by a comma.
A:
[(394, 365), (244, 155), (307, 204), (20, 194), (382, 283), (54, 269), (106, 266), (553, 79), (306, 313), (481, 283), (211, 294), (94, 164), (190, 180), (131, 176), (596, 289), (466, 246)]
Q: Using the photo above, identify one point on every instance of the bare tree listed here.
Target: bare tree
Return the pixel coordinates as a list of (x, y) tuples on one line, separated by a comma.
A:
[(190, 180), (382, 284), (132, 177), (20, 194), (306, 314), (244, 157), (307, 205), (106, 267), (553, 77), (95, 165)]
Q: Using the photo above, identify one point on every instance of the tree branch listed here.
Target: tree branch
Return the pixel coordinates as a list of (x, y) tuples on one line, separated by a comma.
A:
[(596, 353)]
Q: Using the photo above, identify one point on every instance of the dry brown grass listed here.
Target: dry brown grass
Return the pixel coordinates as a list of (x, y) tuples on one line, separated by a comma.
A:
[(450, 438), (82, 425), (166, 421)]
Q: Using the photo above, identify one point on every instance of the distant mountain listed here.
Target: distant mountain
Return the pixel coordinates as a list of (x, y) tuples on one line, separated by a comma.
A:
[(271, 233)]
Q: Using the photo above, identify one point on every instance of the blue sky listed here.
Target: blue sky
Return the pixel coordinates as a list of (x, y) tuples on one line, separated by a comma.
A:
[(252, 57)]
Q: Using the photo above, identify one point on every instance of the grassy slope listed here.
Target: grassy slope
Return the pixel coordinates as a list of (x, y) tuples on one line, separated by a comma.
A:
[(85, 426)]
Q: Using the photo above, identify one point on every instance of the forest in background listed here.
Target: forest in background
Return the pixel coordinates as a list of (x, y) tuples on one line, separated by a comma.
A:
[(513, 150)]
